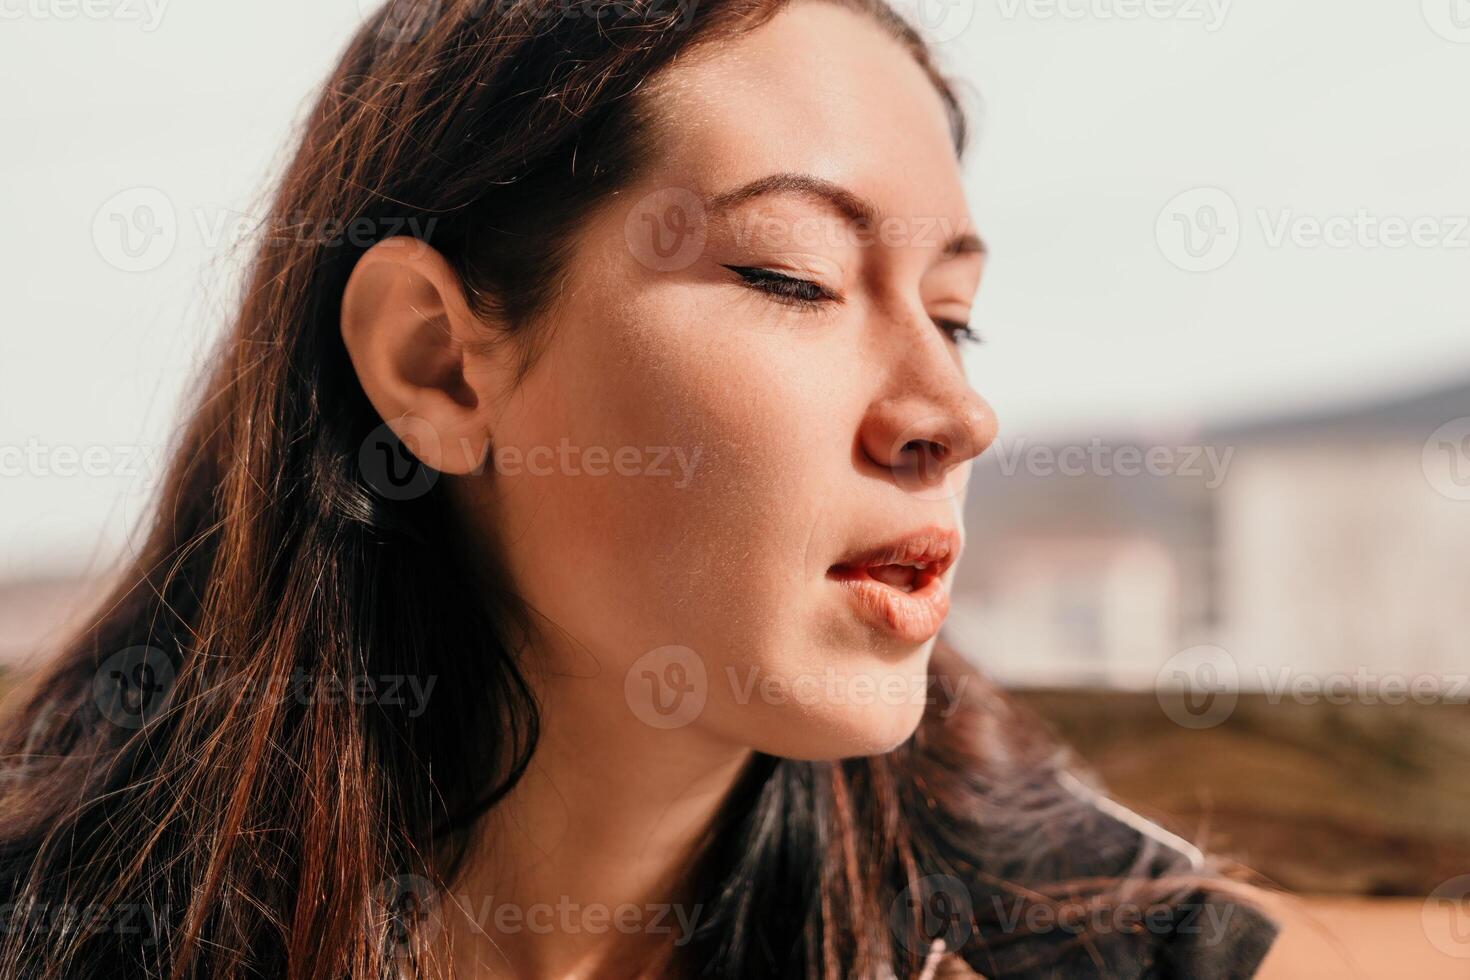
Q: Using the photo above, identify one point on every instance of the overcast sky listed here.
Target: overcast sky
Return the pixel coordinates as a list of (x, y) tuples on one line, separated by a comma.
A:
[(1197, 210)]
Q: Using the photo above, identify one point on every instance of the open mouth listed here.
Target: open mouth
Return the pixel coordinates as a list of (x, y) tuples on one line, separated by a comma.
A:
[(909, 576), (897, 587)]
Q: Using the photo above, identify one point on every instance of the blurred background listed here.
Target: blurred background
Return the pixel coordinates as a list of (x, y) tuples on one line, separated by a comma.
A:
[(1223, 542)]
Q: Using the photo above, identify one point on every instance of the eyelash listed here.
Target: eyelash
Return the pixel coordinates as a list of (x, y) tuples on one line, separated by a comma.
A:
[(806, 294)]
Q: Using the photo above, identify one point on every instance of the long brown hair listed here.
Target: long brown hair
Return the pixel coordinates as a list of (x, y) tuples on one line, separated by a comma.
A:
[(164, 772)]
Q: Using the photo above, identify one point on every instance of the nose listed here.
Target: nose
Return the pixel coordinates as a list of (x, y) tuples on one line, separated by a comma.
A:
[(928, 421)]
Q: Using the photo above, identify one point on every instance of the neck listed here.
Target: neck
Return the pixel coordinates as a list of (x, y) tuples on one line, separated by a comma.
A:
[(577, 873)]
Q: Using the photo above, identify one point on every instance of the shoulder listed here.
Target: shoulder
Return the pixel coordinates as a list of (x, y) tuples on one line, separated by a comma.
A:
[(1050, 876), (1109, 893)]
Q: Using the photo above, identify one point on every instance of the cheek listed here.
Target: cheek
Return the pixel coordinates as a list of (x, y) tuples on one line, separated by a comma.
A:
[(697, 528), (719, 536)]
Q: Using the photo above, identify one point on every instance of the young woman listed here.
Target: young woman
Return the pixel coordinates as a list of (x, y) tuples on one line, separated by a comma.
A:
[(547, 581)]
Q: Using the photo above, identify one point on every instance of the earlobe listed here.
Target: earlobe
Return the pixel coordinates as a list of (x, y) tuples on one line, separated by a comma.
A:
[(410, 334)]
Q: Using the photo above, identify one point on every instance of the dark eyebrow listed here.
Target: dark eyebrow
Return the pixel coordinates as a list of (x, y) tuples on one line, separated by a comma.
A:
[(845, 202), (853, 207)]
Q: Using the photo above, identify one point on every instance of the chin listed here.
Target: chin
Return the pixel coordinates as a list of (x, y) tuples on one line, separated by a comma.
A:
[(825, 732)]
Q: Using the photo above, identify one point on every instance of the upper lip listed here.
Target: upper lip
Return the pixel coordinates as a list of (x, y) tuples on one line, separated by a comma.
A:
[(935, 547)]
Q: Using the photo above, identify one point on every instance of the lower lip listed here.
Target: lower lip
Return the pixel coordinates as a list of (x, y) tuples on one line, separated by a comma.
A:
[(912, 617)]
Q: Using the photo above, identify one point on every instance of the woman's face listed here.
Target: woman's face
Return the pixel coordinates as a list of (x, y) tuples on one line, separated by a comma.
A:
[(686, 480)]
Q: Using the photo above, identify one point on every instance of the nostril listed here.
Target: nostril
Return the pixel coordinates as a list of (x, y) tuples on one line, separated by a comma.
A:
[(925, 447), (926, 456)]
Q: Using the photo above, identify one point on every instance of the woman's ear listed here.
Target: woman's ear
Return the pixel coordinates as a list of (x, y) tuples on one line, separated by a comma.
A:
[(412, 339)]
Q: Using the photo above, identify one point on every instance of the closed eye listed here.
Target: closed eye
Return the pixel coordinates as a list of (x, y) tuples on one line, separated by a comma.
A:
[(784, 288), (805, 293), (958, 331)]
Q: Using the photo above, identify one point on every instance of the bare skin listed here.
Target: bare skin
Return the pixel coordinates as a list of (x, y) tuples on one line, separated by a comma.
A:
[(763, 442)]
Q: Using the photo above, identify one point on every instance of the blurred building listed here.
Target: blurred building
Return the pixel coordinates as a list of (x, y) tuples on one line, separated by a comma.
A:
[(1314, 544)]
